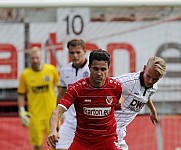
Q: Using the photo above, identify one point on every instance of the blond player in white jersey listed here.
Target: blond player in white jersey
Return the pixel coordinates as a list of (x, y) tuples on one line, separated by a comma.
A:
[(137, 89), (71, 73)]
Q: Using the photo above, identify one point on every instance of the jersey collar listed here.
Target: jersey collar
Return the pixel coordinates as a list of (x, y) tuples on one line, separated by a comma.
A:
[(81, 65), (141, 79)]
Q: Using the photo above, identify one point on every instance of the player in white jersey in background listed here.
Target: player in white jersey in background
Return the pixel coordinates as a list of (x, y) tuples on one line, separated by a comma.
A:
[(137, 89), (71, 73)]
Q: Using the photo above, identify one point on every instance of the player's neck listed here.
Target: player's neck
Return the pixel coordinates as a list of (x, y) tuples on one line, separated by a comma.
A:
[(95, 84), (38, 68), (81, 64)]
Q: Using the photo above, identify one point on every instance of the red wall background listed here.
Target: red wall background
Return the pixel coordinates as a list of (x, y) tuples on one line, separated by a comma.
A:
[(141, 134)]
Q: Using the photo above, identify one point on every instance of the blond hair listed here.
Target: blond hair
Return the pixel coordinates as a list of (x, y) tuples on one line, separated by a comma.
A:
[(34, 50), (159, 65)]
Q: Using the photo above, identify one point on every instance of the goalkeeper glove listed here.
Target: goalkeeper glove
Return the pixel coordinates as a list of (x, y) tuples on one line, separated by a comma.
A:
[(25, 116)]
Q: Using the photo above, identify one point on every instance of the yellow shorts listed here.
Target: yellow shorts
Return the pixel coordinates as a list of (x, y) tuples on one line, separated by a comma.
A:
[(38, 128)]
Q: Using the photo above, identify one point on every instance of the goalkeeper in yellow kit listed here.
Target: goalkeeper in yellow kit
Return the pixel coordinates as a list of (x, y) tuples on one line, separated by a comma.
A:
[(38, 83)]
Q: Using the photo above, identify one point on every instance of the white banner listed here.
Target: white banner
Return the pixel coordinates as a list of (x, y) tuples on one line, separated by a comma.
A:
[(129, 43), (11, 54)]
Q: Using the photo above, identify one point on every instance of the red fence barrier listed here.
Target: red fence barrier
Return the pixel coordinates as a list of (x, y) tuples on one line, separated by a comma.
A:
[(141, 135)]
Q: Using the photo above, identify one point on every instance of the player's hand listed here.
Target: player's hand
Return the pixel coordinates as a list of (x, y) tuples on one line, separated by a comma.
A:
[(25, 118), (119, 104), (154, 118), (52, 139)]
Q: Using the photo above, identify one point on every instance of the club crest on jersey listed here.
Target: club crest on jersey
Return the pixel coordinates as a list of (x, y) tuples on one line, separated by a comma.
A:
[(109, 100), (47, 78), (85, 74)]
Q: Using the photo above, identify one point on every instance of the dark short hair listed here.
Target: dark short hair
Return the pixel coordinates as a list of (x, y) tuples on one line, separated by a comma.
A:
[(76, 42), (100, 55)]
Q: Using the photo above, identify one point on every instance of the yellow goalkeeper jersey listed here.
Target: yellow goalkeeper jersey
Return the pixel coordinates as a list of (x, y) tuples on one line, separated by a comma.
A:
[(40, 89)]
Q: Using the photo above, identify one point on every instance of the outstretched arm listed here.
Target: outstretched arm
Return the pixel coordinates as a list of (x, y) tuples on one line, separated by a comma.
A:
[(153, 115), (54, 124), (61, 92)]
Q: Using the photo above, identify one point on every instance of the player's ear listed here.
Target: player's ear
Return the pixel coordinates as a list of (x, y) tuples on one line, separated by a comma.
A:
[(144, 67)]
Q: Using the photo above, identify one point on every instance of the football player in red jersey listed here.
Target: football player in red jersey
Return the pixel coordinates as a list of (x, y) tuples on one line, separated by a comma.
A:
[(94, 99)]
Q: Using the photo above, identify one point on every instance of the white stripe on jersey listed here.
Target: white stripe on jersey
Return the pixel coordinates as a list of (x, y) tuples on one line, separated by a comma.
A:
[(69, 75), (135, 98)]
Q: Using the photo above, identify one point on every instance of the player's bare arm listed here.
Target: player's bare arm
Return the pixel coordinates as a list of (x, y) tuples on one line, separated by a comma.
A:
[(54, 124), (21, 100), (61, 92), (153, 115), (121, 100)]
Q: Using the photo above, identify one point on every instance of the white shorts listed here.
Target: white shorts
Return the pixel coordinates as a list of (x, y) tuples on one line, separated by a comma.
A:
[(66, 134), (123, 145), (121, 134)]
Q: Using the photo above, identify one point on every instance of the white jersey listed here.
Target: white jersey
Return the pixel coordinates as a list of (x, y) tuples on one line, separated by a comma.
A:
[(136, 95), (69, 74)]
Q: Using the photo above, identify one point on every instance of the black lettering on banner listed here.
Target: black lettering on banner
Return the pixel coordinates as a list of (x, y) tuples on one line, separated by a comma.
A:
[(74, 24), (67, 21), (171, 60)]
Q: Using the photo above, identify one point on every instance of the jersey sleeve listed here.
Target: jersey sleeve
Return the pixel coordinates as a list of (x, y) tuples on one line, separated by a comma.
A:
[(153, 90), (118, 87), (151, 93), (119, 90), (62, 82), (69, 97), (22, 84), (125, 85), (56, 77)]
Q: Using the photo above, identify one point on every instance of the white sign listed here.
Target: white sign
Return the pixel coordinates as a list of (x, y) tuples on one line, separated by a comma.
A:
[(129, 43)]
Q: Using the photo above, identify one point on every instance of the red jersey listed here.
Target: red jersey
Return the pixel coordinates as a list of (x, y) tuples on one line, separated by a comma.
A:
[(94, 108)]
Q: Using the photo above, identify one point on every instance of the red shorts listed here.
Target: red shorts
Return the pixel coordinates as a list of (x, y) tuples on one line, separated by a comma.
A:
[(108, 143)]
